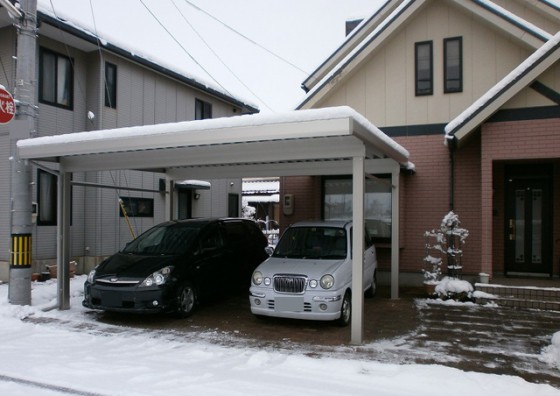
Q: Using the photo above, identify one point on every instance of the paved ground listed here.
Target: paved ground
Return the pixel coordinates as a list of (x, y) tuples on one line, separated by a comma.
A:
[(408, 330)]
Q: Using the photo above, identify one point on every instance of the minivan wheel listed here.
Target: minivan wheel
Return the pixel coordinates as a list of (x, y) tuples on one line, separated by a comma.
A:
[(345, 310), (373, 289), (186, 300)]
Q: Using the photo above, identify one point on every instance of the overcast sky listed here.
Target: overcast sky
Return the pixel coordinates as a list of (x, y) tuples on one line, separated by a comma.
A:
[(181, 35)]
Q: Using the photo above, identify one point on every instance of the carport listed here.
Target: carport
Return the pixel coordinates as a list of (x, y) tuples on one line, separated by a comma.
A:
[(330, 141)]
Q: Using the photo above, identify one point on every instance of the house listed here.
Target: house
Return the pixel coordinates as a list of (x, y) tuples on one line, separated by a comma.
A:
[(87, 83), (471, 89)]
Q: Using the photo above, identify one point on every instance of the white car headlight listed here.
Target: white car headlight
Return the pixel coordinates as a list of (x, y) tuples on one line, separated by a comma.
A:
[(327, 281), (157, 278), (313, 283), (257, 278)]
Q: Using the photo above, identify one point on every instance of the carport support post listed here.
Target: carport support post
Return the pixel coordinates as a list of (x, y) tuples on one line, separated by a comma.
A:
[(63, 237), (358, 190)]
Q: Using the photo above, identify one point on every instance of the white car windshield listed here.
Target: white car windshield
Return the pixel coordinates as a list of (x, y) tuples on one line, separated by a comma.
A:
[(327, 243)]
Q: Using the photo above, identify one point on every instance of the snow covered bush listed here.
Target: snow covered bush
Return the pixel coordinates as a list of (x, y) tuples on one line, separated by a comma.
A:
[(445, 244), (248, 212)]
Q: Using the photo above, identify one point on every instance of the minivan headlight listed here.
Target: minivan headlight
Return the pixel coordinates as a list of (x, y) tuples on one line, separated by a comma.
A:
[(91, 276), (327, 281), (158, 278), (257, 278)]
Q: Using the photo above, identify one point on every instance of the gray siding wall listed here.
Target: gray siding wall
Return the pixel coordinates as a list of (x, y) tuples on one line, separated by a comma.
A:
[(144, 97)]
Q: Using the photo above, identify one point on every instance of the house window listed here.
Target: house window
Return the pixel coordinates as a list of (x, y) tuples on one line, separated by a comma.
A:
[(56, 79), (46, 198), (137, 207), (110, 85), (337, 204), (233, 205), (424, 68), (453, 64), (203, 110)]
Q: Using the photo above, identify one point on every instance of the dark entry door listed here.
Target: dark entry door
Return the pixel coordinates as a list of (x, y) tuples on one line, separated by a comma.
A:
[(184, 204), (528, 236)]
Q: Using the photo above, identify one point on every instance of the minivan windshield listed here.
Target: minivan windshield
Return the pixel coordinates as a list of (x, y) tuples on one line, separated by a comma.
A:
[(313, 243), (164, 240)]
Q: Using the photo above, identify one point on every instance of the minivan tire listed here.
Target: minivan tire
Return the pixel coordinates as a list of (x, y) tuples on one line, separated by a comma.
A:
[(186, 300)]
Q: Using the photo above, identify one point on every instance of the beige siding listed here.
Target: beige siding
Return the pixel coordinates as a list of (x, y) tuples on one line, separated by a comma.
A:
[(383, 87)]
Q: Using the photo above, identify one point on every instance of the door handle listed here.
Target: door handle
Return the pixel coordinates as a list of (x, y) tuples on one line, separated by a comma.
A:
[(511, 229)]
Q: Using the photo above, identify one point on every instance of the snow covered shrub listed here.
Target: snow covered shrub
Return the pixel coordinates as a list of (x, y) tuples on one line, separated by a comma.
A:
[(445, 244), (248, 212)]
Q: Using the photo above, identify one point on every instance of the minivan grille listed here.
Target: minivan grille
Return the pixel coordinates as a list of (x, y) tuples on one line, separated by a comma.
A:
[(289, 284)]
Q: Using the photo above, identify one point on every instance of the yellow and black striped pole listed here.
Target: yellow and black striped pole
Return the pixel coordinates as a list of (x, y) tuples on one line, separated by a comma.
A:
[(20, 251)]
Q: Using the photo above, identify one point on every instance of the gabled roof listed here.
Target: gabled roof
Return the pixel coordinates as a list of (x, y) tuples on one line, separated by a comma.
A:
[(510, 85), (361, 31), (387, 21)]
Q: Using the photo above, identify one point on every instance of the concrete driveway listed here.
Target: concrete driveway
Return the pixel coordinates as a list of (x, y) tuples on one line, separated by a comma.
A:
[(411, 329)]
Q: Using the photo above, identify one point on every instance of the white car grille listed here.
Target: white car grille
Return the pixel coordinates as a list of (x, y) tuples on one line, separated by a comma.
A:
[(289, 284)]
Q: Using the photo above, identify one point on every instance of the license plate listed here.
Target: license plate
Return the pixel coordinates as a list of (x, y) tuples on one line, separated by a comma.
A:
[(111, 299), (291, 304)]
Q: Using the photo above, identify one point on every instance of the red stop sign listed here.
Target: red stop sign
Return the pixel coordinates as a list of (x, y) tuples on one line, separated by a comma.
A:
[(7, 107)]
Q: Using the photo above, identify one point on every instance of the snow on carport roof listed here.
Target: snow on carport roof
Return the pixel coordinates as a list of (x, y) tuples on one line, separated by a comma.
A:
[(305, 135), (306, 142)]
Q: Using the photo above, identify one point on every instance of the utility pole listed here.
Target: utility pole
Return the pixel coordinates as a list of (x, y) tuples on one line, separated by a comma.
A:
[(23, 127)]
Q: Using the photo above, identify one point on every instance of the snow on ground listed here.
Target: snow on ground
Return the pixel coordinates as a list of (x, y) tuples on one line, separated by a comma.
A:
[(68, 352)]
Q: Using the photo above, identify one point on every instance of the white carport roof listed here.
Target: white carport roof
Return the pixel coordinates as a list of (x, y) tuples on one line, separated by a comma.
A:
[(248, 146), (305, 142)]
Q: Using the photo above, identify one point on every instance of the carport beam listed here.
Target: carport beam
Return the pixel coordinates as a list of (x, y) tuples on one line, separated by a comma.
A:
[(358, 190)]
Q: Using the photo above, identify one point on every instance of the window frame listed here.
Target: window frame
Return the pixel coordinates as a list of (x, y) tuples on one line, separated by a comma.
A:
[(110, 84), (417, 81), (446, 79), (132, 204), (202, 109), (372, 222), (43, 53), (47, 201)]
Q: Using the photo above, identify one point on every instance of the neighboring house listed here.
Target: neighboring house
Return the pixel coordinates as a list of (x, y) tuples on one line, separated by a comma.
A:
[(263, 195), (472, 90), (83, 85)]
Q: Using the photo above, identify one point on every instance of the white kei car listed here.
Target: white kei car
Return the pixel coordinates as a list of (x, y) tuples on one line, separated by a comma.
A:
[(309, 274)]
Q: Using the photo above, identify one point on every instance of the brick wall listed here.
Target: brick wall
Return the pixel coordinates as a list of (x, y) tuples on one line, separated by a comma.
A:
[(478, 197), (307, 199), (510, 142)]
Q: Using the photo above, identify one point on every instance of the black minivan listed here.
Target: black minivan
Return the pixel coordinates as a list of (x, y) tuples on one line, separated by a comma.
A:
[(174, 265)]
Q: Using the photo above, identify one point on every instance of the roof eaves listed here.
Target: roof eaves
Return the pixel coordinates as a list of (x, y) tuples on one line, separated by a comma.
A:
[(392, 21), (68, 28), (514, 20), (474, 115), (350, 41)]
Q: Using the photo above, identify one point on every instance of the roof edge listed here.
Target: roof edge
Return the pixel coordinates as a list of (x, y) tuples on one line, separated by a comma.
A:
[(455, 129), (82, 34)]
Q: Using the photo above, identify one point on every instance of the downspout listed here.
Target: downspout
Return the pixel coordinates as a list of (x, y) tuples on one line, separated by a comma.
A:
[(451, 145)]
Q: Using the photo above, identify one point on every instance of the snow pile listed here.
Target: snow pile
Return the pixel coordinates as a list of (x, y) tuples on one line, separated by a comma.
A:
[(68, 352), (452, 285), (551, 354)]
